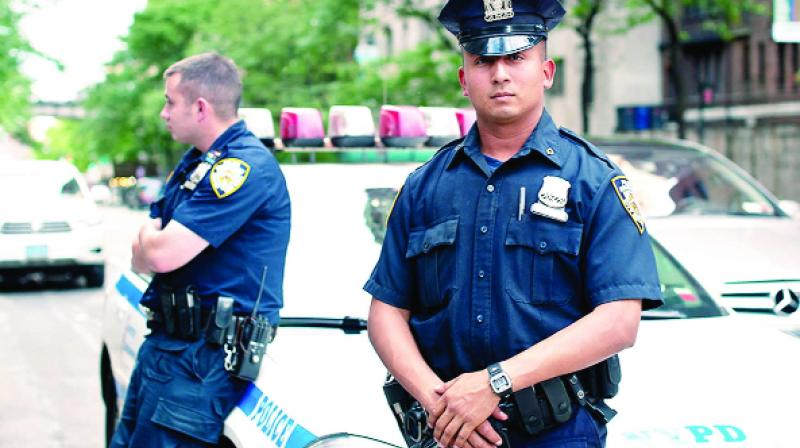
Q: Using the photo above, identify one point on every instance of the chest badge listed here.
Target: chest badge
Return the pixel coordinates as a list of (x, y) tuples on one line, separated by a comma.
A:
[(552, 199), (201, 170), (228, 175)]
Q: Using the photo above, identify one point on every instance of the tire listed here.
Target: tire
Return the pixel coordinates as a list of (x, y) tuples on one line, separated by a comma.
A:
[(109, 390), (95, 276)]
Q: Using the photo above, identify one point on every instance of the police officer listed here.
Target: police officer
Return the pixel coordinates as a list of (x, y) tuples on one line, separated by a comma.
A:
[(221, 229), (515, 255)]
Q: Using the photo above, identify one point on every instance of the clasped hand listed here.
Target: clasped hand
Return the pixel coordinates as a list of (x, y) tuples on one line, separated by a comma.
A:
[(459, 416)]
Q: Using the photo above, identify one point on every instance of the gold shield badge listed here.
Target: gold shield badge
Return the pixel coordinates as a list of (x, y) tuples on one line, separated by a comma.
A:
[(625, 194), (228, 175)]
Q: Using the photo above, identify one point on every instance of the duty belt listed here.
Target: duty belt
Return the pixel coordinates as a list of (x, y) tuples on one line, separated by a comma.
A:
[(216, 324), (551, 403)]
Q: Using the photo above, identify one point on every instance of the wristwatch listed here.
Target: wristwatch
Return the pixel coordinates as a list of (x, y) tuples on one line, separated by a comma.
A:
[(499, 381)]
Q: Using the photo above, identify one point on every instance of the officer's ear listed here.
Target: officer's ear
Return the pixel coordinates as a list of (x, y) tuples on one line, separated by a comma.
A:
[(462, 81), (203, 108), (549, 70)]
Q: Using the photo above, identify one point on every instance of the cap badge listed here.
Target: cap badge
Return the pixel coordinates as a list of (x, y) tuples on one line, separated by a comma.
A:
[(494, 10), (552, 199)]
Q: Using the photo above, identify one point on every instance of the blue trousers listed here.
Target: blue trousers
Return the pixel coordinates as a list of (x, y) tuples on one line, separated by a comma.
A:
[(179, 395), (582, 430)]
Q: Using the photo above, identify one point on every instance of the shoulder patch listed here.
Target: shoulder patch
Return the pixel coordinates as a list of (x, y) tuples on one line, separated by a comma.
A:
[(228, 175), (625, 194)]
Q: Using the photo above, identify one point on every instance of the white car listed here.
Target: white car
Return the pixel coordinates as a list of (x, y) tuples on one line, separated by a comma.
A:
[(725, 227), (49, 224), (698, 375)]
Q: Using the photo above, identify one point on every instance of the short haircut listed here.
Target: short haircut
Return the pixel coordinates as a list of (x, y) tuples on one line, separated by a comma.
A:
[(213, 77)]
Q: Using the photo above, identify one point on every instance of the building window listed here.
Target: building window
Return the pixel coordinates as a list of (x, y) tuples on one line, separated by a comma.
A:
[(762, 64), (795, 65), (781, 48), (558, 80), (746, 64)]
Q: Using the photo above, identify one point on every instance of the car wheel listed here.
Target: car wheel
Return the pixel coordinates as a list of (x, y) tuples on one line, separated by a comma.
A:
[(95, 276), (109, 391)]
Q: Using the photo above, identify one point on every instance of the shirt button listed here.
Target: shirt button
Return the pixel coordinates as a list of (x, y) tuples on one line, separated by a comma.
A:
[(426, 246), (542, 245), (479, 318), (490, 188), (481, 274), (484, 229)]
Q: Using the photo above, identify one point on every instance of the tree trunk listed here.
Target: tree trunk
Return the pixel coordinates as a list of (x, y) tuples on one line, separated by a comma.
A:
[(675, 78), (587, 85)]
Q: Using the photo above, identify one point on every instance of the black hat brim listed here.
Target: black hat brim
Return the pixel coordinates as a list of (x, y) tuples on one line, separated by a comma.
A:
[(500, 45)]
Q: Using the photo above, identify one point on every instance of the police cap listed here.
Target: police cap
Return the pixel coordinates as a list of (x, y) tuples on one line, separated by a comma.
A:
[(496, 27)]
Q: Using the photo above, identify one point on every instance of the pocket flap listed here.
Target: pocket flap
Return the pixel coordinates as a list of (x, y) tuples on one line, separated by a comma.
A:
[(168, 344), (545, 236), (423, 241), (188, 421)]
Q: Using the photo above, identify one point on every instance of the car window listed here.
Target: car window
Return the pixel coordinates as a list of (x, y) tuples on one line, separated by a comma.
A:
[(40, 186), (71, 188), (671, 180), (683, 296)]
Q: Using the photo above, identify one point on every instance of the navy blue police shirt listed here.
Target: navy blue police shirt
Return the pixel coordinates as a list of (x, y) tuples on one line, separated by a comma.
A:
[(241, 208), (483, 281)]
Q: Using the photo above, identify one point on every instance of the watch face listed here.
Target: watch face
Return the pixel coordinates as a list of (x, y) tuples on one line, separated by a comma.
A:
[(500, 383)]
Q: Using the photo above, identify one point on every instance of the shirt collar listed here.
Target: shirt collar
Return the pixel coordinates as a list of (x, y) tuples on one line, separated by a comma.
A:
[(545, 140), (236, 130)]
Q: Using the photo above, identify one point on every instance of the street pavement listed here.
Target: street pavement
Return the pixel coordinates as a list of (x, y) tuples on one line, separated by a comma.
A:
[(50, 339)]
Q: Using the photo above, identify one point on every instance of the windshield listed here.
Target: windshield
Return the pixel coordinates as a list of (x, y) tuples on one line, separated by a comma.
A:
[(671, 180), (39, 186), (683, 297)]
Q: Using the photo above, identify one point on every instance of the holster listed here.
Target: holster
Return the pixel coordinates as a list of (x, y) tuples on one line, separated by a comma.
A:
[(221, 321), (413, 421), (602, 379), (179, 313)]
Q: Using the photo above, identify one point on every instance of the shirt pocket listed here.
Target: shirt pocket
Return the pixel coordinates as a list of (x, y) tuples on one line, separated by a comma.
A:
[(543, 263), (432, 252)]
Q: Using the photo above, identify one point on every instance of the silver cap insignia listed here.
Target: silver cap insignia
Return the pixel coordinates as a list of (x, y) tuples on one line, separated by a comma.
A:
[(494, 10)]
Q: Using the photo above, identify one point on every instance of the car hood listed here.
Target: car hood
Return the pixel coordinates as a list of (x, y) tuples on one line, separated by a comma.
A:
[(22, 209), (708, 382), (717, 250)]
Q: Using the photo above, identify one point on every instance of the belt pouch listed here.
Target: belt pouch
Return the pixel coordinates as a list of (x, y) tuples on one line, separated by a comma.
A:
[(187, 315), (609, 375), (221, 321), (602, 379), (167, 311), (530, 412), (556, 395)]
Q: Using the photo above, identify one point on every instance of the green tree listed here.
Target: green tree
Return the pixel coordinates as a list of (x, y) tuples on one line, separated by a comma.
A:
[(14, 86), (583, 15), (722, 16), (291, 52)]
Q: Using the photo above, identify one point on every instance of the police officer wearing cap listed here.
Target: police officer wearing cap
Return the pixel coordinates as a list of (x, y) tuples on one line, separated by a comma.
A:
[(219, 232), (514, 258)]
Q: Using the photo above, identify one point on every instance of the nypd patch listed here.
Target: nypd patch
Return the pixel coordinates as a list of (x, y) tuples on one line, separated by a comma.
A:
[(227, 176), (625, 194)]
